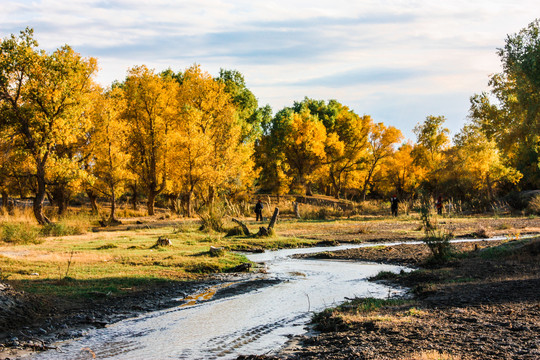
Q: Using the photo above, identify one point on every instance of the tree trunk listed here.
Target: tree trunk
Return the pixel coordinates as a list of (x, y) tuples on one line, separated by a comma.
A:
[(39, 198), (274, 219), (489, 187), (5, 198), (60, 198), (134, 196), (296, 210), (188, 203), (244, 227), (112, 217), (92, 196), (309, 191), (150, 202), (211, 196), (174, 204)]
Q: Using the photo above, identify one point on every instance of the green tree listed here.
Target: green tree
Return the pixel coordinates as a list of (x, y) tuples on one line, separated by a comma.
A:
[(513, 119), (245, 102)]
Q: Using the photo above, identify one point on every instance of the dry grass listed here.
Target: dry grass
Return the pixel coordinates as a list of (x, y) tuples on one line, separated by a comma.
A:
[(95, 260), (431, 355), (18, 215), (534, 205)]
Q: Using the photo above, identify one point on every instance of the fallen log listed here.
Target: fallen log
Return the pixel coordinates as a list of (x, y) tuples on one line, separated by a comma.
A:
[(244, 227)]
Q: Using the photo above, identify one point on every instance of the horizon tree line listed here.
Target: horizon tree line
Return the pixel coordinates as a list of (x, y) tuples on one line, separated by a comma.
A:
[(190, 137)]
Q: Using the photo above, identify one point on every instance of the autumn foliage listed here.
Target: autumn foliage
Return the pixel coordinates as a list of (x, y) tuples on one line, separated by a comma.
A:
[(188, 138)]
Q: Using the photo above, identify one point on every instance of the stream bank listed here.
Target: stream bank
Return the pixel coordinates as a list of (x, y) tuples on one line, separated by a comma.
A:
[(485, 305)]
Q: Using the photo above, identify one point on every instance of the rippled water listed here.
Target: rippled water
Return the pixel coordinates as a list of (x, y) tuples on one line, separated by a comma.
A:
[(256, 322)]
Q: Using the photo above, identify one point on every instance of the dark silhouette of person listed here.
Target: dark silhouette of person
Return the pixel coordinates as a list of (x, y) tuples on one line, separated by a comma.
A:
[(258, 210), (394, 205), (439, 205)]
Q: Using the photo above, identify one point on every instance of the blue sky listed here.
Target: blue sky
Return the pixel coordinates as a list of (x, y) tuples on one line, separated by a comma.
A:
[(396, 60)]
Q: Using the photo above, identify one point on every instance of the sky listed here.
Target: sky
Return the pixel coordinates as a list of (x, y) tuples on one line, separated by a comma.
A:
[(398, 61)]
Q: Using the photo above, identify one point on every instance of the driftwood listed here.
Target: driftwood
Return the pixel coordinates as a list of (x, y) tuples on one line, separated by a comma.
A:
[(241, 268), (268, 231), (244, 227)]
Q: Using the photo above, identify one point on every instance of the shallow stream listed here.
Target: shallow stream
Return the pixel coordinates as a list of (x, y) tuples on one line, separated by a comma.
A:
[(255, 322)]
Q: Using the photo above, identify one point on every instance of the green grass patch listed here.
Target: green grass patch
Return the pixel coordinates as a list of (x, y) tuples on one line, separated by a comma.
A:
[(60, 229), (384, 275), (92, 263), (20, 233), (107, 246), (504, 250)]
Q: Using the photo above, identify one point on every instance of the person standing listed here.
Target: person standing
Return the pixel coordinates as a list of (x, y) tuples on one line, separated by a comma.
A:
[(394, 205), (258, 210), (439, 205)]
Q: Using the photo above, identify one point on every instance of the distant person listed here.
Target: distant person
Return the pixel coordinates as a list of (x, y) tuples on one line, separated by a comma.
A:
[(439, 205), (394, 205), (258, 210)]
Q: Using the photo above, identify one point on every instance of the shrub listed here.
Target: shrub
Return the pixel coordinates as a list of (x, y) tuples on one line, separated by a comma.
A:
[(212, 218), (17, 233), (534, 205), (437, 240), (235, 231), (60, 229), (323, 213), (107, 246)]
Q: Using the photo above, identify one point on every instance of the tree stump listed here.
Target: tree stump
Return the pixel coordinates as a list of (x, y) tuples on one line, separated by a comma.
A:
[(216, 251), (263, 231), (163, 241), (244, 227), (274, 219)]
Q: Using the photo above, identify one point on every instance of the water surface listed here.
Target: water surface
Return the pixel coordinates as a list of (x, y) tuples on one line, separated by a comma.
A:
[(257, 322)]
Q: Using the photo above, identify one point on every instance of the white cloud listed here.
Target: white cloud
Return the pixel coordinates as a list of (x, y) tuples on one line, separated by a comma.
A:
[(398, 60)]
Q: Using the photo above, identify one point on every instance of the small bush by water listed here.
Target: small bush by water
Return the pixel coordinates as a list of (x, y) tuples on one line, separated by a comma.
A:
[(437, 240)]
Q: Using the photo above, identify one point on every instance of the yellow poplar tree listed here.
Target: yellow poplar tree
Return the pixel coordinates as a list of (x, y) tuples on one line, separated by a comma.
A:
[(401, 174), (429, 151), (110, 160), (207, 152), (381, 144), (43, 97), (479, 161), (304, 146), (346, 146), (150, 103)]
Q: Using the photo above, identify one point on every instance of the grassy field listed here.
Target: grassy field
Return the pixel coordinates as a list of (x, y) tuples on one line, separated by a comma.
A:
[(69, 260), (118, 261)]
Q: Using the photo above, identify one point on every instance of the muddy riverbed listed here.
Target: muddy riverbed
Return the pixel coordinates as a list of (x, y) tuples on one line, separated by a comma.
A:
[(474, 307), (440, 292), (236, 317)]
